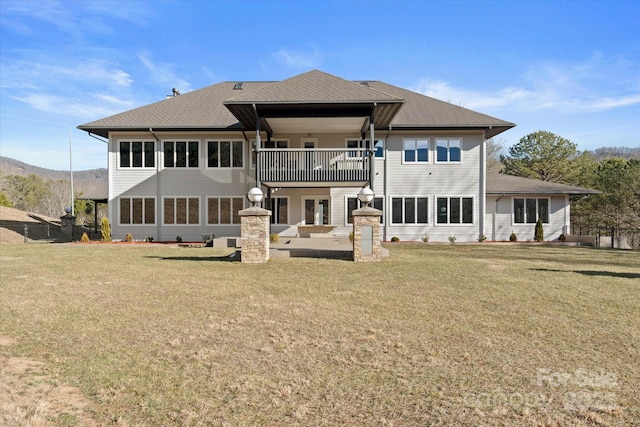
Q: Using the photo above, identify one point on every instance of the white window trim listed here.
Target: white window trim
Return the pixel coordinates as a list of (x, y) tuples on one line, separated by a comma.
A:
[(416, 162), (303, 140), (130, 140), (161, 154), (232, 140), (346, 208), (217, 224), (155, 215), (175, 213), (449, 224), (288, 209), (316, 198), (409, 224), (362, 144), (448, 162), (528, 224), (252, 143)]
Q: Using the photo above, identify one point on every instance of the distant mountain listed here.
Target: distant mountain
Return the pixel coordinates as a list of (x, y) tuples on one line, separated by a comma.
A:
[(623, 152), (91, 182)]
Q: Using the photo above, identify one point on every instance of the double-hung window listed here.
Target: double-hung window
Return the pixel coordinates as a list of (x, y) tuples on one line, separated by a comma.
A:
[(454, 210), (224, 210), (530, 210), (181, 210), (181, 154), (415, 150), (353, 203), (409, 210), (225, 154), (137, 210), (448, 150), (137, 154)]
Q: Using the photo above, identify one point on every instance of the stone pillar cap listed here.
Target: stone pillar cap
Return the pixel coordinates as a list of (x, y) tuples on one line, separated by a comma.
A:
[(367, 211), (254, 211)]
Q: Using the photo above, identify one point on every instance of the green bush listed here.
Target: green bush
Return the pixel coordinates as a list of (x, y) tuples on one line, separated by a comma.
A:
[(482, 238), (426, 237), (106, 230), (274, 237), (562, 237), (179, 239), (539, 231), (395, 239), (452, 239), (513, 237)]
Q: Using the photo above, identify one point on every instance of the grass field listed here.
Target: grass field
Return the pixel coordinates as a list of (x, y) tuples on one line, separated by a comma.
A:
[(147, 335)]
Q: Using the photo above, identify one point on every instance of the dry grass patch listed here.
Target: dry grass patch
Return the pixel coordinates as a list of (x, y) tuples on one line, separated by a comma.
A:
[(433, 335)]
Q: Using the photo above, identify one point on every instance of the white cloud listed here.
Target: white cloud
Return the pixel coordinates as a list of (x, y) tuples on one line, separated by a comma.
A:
[(164, 73), (97, 105), (599, 84), (298, 58)]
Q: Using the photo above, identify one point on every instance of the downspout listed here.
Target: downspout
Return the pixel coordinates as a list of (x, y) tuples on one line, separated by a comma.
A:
[(385, 185), (258, 145), (483, 184), (372, 154), (158, 199)]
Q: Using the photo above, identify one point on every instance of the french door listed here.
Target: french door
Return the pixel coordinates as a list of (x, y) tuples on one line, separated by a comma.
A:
[(316, 211)]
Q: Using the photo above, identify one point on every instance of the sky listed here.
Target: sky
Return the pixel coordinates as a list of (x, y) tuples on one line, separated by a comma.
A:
[(567, 67)]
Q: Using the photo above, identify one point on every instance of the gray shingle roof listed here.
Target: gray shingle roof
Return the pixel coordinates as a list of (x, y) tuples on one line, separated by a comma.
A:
[(498, 183), (209, 108)]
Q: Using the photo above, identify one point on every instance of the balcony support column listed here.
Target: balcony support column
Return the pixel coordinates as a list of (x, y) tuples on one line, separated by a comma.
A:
[(372, 154)]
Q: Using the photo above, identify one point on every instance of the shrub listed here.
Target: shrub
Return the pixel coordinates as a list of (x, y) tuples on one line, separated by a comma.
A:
[(84, 238), (482, 238), (395, 239), (562, 237), (513, 237), (106, 230), (274, 237), (149, 239), (128, 238), (539, 231), (4, 201), (452, 238), (179, 239), (351, 236), (426, 237)]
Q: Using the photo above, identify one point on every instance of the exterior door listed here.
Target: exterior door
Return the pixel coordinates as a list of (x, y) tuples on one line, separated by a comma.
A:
[(316, 211)]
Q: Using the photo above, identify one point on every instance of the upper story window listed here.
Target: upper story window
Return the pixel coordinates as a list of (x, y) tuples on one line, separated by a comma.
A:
[(364, 144), (415, 150), (225, 154), (454, 210), (137, 154), (280, 144), (529, 210), (181, 154), (448, 150)]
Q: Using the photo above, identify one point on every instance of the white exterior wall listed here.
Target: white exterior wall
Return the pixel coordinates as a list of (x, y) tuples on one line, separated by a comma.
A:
[(499, 218)]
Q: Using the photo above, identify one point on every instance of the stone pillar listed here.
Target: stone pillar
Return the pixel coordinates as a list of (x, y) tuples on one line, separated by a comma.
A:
[(366, 234), (254, 231), (67, 225)]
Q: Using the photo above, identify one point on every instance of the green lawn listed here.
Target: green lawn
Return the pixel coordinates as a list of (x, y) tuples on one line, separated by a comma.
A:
[(432, 335)]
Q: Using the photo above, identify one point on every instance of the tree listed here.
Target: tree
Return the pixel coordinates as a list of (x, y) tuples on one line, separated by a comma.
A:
[(549, 157), (539, 231), (495, 147), (4, 200)]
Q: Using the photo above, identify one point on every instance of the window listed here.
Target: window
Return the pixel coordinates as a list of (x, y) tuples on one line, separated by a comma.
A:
[(137, 154), (181, 154), (353, 203), (364, 144), (225, 154), (454, 210), (224, 210), (137, 210), (181, 210), (279, 207), (415, 150), (529, 210), (448, 150), (409, 210), (280, 144)]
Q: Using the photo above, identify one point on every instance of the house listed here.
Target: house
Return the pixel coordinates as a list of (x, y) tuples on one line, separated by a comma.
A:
[(183, 166)]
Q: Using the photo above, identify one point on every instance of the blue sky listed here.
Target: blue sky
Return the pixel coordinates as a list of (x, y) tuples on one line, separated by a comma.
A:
[(572, 68)]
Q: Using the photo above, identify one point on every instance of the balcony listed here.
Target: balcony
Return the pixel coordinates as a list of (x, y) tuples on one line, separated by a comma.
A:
[(313, 167)]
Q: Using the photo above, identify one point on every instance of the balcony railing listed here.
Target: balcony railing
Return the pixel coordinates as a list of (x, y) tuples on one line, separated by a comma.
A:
[(313, 165)]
